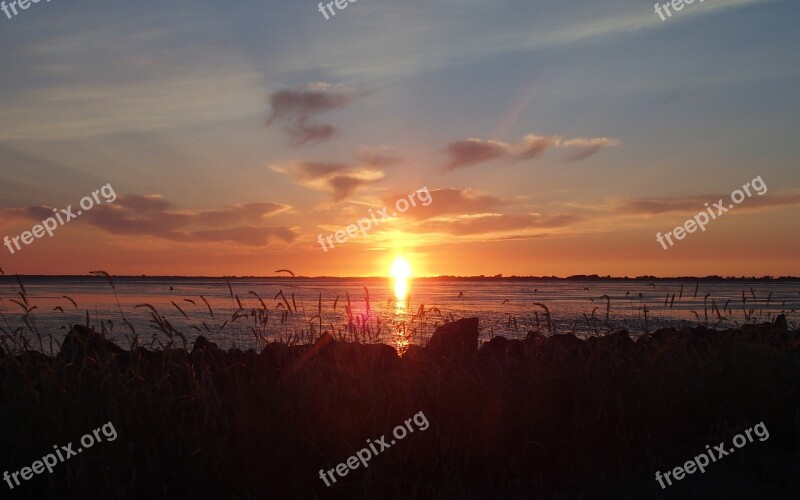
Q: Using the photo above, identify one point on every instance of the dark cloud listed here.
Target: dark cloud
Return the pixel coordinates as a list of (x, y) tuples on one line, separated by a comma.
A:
[(295, 109), (580, 149), (533, 146), (152, 215), (345, 185), (376, 157), (341, 179), (694, 204), (473, 151), (248, 235)]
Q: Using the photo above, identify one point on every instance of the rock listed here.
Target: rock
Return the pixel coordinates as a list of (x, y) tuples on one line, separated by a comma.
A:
[(534, 337), (561, 344), (533, 341), (415, 354), (202, 343), (459, 338), (82, 342), (352, 354), (208, 353), (501, 347), (780, 326)]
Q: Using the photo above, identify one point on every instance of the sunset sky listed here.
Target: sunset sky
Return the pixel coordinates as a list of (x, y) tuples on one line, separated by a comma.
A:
[(554, 137)]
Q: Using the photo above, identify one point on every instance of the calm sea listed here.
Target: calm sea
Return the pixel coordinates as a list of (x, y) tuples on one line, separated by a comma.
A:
[(509, 307)]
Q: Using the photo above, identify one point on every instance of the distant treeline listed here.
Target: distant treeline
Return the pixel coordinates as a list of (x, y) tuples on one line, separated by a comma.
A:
[(497, 277)]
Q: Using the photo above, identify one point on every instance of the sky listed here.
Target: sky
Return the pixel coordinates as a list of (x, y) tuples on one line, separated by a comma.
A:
[(551, 137)]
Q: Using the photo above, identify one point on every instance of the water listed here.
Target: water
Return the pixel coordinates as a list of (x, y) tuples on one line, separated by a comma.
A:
[(506, 307)]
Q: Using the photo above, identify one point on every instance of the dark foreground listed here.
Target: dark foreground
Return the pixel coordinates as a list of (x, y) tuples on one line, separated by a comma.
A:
[(549, 417)]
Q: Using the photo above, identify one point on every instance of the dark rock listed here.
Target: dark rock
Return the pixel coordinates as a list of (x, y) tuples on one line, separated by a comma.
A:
[(324, 340), (459, 338), (352, 354), (415, 354), (202, 343), (561, 344), (206, 353), (33, 359), (534, 336), (533, 341), (614, 341), (500, 347), (780, 326), (82, 342)]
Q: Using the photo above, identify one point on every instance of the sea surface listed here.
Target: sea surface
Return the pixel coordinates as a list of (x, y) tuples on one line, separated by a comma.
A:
[(244, 312)]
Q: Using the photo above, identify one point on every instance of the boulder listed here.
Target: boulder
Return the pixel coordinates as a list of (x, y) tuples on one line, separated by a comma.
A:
[(201, 343), (208, 353), (501, 347), (459, 338), (82, 342), (560, 345)]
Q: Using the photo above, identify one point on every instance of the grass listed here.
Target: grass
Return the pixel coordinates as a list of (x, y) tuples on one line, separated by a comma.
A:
[(571, 419)]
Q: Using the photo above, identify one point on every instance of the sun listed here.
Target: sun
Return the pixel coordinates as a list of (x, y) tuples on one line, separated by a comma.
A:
[(400, 271)]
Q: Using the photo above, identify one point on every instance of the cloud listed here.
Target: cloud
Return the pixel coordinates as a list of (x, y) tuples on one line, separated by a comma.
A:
[(533, 146), (154, 216), (584, 148), (694, 204), (498, 223), (341, 179), (448, 201), (382, 157), (474, 151), (345, 185), (295, 109), (464, 212), (425, 43)]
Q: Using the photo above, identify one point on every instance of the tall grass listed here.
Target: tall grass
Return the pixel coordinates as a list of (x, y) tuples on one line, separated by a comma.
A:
[(575, 419)]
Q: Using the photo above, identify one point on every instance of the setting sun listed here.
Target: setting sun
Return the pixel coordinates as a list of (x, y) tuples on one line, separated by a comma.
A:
[(400, 271)]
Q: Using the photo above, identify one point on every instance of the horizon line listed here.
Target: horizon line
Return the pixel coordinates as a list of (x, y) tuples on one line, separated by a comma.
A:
[(574, 277)]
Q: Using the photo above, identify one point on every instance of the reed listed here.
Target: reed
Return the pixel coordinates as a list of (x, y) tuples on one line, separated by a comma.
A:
[(570, 419)]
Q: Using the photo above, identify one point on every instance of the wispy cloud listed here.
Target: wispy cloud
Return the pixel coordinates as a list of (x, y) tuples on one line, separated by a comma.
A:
[(474, 151), (341, 179), (580, 149), (154, 216), (692, 204), (450, 201), (295, 109), (497, 224), (422, 43)]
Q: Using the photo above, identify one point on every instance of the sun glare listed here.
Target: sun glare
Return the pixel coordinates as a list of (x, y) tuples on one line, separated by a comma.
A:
[(400, 271)]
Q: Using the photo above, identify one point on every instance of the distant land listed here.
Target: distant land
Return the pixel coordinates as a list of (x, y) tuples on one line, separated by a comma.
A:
[(497, 277)]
